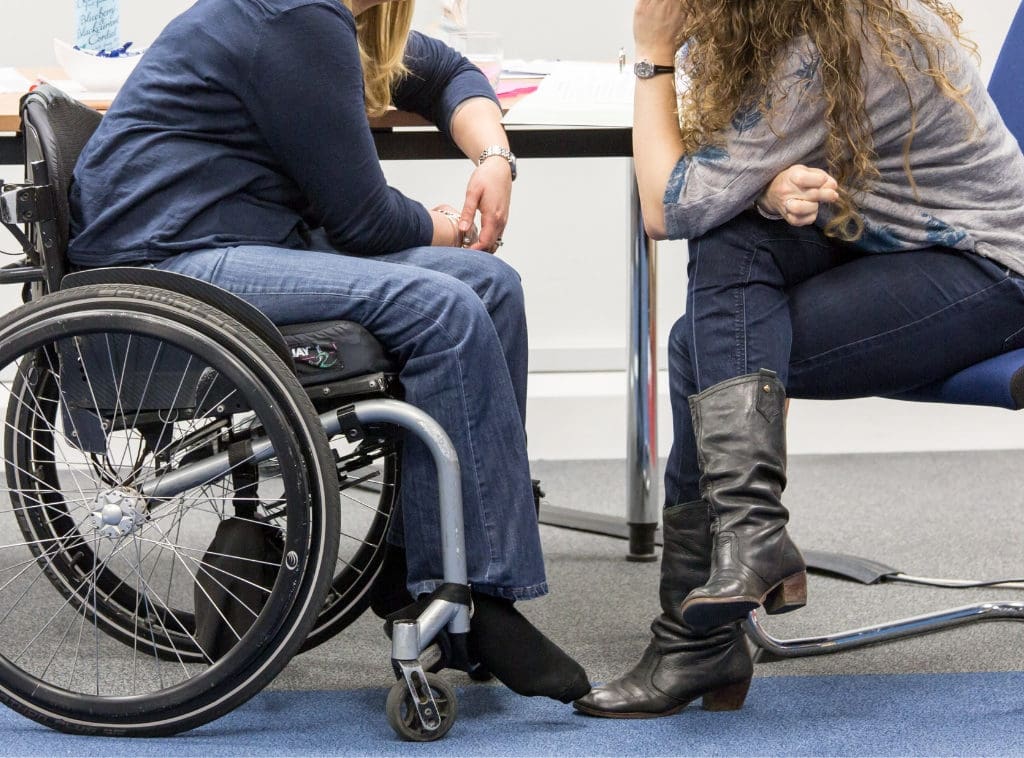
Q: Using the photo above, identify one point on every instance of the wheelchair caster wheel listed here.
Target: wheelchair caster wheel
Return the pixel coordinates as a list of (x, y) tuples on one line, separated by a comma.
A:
[(404, 716)]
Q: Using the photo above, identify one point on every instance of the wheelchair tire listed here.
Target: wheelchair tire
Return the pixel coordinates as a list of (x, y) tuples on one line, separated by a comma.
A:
[(114, 497)]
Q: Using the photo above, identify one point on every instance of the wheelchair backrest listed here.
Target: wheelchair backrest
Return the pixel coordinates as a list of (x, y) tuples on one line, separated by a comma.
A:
[(56, 128)]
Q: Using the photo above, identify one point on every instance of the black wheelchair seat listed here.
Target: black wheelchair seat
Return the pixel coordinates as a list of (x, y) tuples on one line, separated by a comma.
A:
[(333, 351), (322, 353)]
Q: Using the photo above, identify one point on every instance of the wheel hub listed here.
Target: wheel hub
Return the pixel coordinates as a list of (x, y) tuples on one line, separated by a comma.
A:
[(118, 512)]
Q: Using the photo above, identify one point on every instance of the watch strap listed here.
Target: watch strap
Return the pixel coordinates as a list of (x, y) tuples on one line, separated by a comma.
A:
[(645, 69), (504, 152)]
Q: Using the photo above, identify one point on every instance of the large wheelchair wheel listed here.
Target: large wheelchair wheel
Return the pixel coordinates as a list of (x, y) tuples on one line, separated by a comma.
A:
[(139, 422)]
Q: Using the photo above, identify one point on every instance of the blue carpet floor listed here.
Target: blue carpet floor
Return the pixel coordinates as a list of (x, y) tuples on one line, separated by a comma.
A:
[(928, 714)]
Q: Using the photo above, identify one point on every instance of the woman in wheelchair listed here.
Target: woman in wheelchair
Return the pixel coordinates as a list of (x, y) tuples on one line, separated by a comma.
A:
[(239, 152), (852, 201)]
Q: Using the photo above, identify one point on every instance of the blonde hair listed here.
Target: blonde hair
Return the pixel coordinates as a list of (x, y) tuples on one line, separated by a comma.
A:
[(735, 47), (383, 31)]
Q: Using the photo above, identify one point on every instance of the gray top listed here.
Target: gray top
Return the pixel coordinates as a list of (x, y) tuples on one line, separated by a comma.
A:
[(970, 180)]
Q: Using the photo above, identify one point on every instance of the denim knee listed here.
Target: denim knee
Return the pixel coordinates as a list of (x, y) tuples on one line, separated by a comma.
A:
[(502, 286), (461, 308), (742, 231), (727, 254)]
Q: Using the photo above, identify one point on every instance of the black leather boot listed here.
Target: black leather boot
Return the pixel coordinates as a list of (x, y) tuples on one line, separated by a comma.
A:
[(679, 665), (740, 429)]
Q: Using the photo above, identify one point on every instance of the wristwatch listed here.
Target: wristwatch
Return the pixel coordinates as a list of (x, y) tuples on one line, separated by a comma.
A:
[(644, 69), (504, 152)]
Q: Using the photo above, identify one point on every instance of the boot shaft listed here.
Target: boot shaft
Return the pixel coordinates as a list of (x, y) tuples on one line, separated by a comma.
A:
[(686, 565), (686, 554), (740, 433), (681, 661)]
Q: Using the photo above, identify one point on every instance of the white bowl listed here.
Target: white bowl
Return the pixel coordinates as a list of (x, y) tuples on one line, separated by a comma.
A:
[(93, 72)]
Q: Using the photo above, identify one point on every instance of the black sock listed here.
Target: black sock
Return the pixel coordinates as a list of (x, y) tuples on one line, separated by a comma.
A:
[(388, 593), (519, 655)]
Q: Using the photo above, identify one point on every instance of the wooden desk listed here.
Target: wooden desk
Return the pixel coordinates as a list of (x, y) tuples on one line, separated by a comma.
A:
[(405, 136)]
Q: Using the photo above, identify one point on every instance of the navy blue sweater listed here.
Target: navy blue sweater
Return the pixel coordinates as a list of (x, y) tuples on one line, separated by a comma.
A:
[(244, 123)]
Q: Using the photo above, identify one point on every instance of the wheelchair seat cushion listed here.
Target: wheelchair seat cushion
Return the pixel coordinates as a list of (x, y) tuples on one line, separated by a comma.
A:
[(329, 351)]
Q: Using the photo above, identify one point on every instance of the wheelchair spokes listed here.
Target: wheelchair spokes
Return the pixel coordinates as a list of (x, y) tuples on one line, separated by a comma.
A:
[(368, 488)]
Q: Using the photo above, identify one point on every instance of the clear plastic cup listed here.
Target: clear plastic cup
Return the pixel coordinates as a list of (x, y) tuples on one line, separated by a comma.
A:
[(482, 49)]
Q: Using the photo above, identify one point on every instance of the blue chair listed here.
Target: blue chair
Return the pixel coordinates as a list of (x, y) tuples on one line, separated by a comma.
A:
[(1005, 84), (997, 382)]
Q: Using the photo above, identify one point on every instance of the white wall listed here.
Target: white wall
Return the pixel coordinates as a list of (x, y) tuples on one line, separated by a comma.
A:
[(568, 238)]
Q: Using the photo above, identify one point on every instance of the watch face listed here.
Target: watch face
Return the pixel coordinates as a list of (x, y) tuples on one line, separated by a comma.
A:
[(646, 70), (643, 69)]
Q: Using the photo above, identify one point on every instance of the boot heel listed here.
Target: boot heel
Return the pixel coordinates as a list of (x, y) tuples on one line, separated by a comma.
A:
[(728, 698), (788, 595)]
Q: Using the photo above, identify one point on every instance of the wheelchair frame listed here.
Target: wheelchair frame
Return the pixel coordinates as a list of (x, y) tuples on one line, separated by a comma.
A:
[(421, 706)]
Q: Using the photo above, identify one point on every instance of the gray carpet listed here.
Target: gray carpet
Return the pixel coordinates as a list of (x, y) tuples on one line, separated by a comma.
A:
[(928, 514)]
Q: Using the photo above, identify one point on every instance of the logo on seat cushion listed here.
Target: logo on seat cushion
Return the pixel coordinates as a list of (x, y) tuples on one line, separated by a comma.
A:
[(318, 356)]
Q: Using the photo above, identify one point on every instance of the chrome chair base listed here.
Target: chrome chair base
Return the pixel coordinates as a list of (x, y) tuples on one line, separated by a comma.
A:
[(801, 647)]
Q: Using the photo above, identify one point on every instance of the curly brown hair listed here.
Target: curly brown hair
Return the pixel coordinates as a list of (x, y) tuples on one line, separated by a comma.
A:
[(735, 47)]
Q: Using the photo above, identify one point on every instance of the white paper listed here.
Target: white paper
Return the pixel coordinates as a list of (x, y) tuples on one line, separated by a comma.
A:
[(518, 67), (12, 81), (579, 94)]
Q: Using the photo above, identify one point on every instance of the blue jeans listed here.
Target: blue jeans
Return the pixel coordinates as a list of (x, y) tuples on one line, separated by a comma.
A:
[(455, 322), (832, 321)]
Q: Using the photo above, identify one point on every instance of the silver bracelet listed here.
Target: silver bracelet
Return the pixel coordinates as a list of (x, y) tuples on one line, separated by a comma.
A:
[(454, 218), (766, 214)]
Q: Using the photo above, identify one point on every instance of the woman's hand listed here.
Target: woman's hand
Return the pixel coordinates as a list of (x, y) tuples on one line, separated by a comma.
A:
[(656, 26), (796, 193), (490, 192)]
